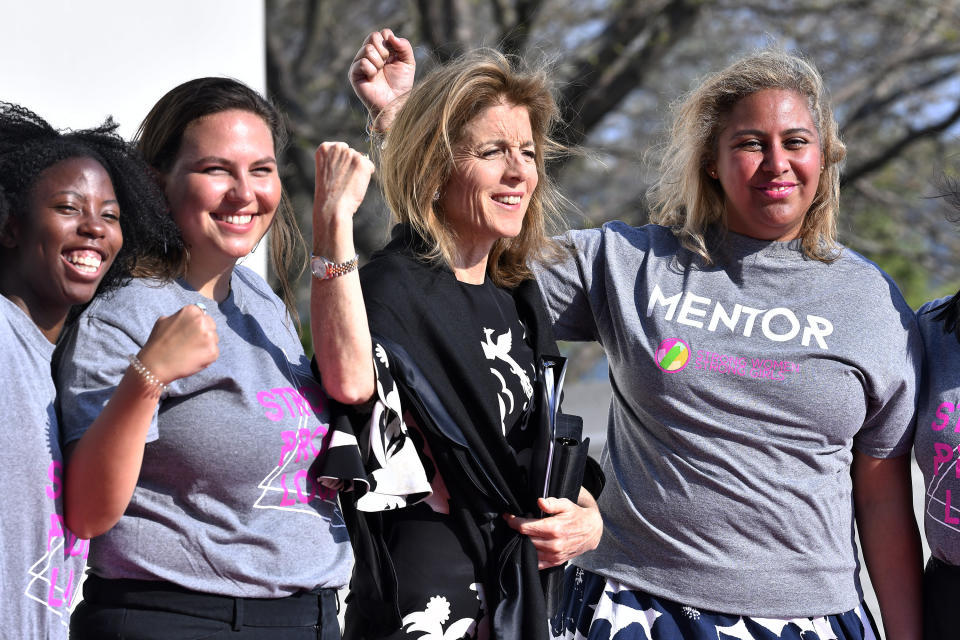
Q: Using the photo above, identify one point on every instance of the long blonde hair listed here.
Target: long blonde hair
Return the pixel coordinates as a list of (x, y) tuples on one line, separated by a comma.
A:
[(417, 157), (687, 199)]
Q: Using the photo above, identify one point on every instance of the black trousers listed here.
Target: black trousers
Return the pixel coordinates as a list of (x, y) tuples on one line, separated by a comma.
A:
[(148, 610), (941, 593)]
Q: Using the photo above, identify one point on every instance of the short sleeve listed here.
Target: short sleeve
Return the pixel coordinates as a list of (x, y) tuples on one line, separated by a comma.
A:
[(93, 358), (888, 429), (569, 281)]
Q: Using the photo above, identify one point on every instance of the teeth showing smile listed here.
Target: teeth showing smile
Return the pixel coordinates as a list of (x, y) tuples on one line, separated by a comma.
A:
[(238, 219), (85, 261), (508, 199)]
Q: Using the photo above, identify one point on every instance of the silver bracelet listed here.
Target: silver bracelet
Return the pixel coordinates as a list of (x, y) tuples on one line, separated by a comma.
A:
[(147, 375), (324, 269)]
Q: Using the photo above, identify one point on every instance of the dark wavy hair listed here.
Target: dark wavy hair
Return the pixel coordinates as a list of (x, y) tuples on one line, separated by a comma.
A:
[(161, 134), (949, 312), (29, 145)]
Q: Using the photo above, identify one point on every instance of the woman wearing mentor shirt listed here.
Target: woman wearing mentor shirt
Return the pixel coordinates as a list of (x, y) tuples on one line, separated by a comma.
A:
[(752, 411)]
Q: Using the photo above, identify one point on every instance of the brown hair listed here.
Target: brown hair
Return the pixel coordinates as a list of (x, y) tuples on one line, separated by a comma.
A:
[(686, 198), (161, 134), (417, 156)]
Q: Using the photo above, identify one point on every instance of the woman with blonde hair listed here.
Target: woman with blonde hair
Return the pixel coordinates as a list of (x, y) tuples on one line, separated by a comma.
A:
[(752, 415), (448, 538), (764, 379)]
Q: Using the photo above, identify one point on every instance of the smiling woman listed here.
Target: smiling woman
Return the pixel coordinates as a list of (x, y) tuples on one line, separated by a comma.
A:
[(202, 492), (68, 202), (60, 252), (456, 315), (768, 162)]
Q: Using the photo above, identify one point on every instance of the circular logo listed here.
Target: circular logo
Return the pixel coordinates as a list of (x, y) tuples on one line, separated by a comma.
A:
[(673, 355)]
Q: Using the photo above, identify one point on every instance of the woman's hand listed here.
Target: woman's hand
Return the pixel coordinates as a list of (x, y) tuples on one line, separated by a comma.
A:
[(181, 345), (572, 529), (338, 320), (382, 74), (104, 465), (341, 180)]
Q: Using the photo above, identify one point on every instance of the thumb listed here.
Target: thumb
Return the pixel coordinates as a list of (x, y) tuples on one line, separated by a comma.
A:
[(550, 505)]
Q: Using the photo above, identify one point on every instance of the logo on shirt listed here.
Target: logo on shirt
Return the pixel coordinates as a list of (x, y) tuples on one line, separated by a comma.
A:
[(673, 355), (779, 324)]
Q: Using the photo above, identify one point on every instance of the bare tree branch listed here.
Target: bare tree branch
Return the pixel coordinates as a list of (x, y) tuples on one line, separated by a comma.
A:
[(633, 39), (898, 146)]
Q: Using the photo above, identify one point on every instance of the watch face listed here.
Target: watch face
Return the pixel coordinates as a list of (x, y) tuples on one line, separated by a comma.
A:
[(323, 269), (320, 267)]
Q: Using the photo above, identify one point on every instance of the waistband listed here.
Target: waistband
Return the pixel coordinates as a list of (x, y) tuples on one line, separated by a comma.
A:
[(301, 609), (938, 565)]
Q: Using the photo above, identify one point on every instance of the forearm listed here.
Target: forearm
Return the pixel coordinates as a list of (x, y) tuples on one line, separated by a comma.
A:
[(891, 542), (338, 320), (586, 500), (104, 465)]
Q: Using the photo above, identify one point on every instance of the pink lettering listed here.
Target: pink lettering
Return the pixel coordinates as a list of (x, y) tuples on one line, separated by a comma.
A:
[(942, 417), (321, 431), (946, 512), (53, 472), (289, 444), (52, 598), (286, 501), (302, 408), (304, 441), (73, 545), (282, 392), (56, 529), (943, 453), (298, 476), (277, 413)]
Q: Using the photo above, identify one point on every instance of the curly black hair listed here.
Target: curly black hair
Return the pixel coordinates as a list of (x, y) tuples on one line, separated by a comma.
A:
[(949, 312), (29, 145)]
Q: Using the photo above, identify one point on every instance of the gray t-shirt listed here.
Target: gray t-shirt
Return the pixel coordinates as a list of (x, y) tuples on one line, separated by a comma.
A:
[(938, 435), (739, 391), (225, 502), (41, 564)]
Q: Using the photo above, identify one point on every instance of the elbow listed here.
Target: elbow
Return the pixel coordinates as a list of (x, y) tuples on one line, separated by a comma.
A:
[(346, 393), (84, 528), (86, 523), (351, 385)]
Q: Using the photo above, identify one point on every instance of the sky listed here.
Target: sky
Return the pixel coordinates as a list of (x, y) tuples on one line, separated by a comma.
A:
[(76, 62)]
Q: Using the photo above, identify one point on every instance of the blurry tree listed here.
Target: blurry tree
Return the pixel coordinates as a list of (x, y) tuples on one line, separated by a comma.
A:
[(893, 67)]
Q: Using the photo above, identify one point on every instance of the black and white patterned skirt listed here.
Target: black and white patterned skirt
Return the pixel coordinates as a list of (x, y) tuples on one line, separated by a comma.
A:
[(439, 590), (598, 608)]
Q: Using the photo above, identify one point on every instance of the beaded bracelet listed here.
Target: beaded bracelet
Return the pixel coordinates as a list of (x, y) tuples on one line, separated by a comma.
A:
[(152, 380)]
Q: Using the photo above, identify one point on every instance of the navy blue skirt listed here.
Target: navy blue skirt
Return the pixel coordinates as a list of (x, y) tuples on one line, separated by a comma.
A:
[(597, 608)]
